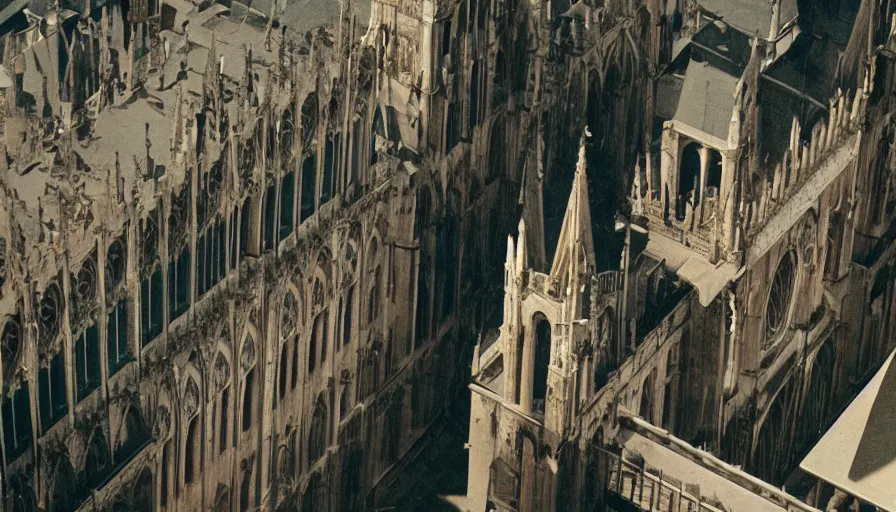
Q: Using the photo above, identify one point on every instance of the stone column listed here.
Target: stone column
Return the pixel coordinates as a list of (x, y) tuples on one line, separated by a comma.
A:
[(426, 65), (699, 194), (528, 370)]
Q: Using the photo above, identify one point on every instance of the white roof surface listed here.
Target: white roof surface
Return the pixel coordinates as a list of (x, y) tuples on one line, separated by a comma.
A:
[(858, 454), (692, 266), (731, 495)]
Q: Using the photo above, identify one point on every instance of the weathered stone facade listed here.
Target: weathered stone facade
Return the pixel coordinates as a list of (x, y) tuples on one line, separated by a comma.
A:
[(239, 251), (754, 294)]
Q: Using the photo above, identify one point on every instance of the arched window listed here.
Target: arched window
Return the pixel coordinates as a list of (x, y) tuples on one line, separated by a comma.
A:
[(474, 95), (117, 350), (779, 297), (165, 471), (348, 307), (96, 461), (542, 363), (326, 182), (309, 186), (246, 490), (601, 358), (835, 246), (151, 299), (309, 120), (670, 395), (192, 451), (222, 502), (646, 408), (52, 399), (497, 151), (345, 401), (284, 359), (317, 436), (269, 202), (287, 204), (315, 497), (132, 436), (222, 383), (17, 421), (317, 351), (373, 295), (245, 214), (141, 493), (247, 364), (294, 378), (87, 361)]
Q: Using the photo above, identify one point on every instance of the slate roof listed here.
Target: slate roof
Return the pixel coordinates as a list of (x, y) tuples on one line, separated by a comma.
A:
[(707, 99), (750, 16)]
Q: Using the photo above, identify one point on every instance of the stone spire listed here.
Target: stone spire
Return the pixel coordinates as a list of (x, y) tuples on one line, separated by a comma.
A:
[(575, 233)]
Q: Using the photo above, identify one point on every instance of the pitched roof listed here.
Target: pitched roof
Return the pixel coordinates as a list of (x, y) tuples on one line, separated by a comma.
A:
[(707, 99), (858, 453)]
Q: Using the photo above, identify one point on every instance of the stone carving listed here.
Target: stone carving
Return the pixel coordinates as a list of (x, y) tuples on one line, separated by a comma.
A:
[(222, 371), (191, 398), (247, 357)]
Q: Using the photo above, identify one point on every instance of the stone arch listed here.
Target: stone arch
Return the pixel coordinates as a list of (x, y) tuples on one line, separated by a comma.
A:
[(132, 434), (497, 150), (818, 403), (20, 497), (141, 495), (422, 210), (310, 113), (528, 461), (772, 448), (317, 432), (647, 406), (779, 303), (116, 264), (222, 378), (49, 314), (222, 500), (96, 459), (318, 348), (63, 488), (373, 267), (542, 334), (193, 436), (248, 358), (314, 498)]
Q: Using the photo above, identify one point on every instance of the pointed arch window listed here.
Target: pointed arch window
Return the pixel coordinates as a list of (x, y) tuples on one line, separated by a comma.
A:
[(348, 307), (179, 284), (309, 186), (222, 382), (164, 473), (96, 460), (326, 185), (87, 361), (287, 205), (117, 350), (317, 352), (247, 363), (210, 259), (17, 422), (283, 373), (191, 457), (269, 202), (244, 228), (542, 364), (317, 436), (53, 401)]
